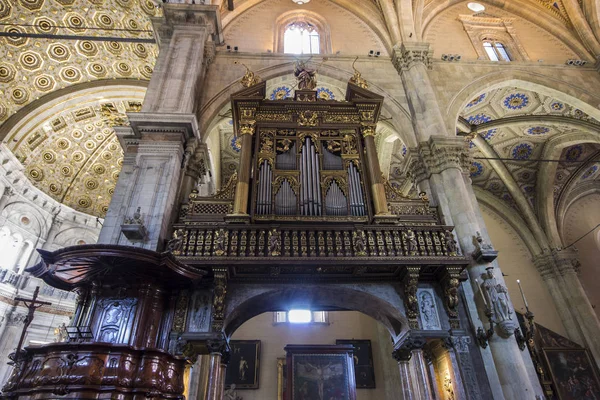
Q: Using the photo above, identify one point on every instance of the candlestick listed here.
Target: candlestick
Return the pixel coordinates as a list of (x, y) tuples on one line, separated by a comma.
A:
[(523, 295), (482, 294)]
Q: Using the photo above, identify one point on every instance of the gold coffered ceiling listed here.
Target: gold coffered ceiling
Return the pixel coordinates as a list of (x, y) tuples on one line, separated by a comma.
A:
[(75, 156), (33, 67)]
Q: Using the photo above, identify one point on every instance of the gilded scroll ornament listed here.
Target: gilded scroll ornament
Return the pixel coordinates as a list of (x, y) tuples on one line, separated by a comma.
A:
[(368, 131), (357, 79)]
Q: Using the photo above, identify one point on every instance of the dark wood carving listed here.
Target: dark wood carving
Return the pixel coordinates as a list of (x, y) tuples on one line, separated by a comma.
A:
[(88, 369), (117, 344)]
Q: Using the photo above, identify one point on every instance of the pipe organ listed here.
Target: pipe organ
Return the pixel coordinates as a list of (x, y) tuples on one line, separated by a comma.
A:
[(308, 173)]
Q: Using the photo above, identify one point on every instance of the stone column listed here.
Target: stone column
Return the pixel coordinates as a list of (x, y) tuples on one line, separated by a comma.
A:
[(580, 307), (403, 355), (225, 357), (242, 189), (442, 162), (375, 175)]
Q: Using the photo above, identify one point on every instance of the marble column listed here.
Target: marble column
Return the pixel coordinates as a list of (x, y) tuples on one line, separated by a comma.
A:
[(442, 161), (218, 356), (403, 355), (420, 365)]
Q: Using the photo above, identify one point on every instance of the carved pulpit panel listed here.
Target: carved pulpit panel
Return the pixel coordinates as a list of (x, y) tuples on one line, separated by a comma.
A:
[(115, 317)]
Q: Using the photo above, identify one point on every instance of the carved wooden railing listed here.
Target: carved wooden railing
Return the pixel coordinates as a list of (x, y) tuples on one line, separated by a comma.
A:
[(210, 208), (265, 241)]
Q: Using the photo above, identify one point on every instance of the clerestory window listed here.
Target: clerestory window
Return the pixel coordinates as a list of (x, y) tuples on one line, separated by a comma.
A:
[(301, 38), (495, 50)]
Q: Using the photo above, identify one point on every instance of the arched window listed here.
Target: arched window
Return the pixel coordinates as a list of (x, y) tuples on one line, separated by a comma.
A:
[(301, 32), (495, 50), (301, 38)]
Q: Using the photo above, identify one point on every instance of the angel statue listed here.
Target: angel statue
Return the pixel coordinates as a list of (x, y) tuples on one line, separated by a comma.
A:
[(320, 374)]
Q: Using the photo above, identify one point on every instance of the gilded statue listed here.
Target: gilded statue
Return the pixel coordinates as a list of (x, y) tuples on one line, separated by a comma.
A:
[(274, 242), (358, 240), (174, 245), (249, 78), (451, 293), (219, 242), (451, 246), (411, 240)]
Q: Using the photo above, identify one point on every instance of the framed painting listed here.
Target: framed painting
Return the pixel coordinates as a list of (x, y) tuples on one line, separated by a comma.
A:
[(364, 373), (281, 378), (244, 364), (573, 373), (320, 372)]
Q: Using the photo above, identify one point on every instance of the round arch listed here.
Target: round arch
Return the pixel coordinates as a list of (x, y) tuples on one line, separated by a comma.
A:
[(547, 173), (72, 94), (313, 18), (208, 114), (577, 96), (378, 303)]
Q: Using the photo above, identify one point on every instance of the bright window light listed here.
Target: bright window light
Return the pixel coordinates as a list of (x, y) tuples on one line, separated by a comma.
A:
[(301, 38), (299, 316)]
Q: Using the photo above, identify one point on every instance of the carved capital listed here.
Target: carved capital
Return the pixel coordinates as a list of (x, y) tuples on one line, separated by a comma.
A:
[(544, 263), (566, 261), (437, 155), (406, 56), (247, 128), (403, 353), (216, 346), (368, 130)]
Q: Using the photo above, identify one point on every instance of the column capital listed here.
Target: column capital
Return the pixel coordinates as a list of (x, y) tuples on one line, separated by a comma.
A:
[(438, 154), (219, 346), (406, 55), (403, 351), (188, 16)]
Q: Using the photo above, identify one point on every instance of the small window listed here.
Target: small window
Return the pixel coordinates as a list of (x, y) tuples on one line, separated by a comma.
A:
[(301, 38), (495, 50), (301, 317)]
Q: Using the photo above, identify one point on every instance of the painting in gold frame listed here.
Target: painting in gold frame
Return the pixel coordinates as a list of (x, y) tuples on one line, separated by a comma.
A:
[(573, 373), (281, 378)]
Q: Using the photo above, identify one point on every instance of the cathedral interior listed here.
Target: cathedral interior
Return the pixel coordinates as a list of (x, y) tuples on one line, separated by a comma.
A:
[(300, 199)]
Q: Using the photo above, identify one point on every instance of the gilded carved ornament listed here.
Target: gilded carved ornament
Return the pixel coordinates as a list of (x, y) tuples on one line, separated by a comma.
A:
[(357, 79), (247, 128), (250, 78)]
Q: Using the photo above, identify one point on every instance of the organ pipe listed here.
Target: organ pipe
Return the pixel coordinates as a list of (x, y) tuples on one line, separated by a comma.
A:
[(357, 204), (263, 202)]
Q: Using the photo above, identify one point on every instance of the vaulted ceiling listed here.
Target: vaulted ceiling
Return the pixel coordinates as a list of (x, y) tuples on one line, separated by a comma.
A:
[(519, 129)]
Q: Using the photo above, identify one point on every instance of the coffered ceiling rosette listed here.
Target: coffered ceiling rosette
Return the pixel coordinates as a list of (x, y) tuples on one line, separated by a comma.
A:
[(534, 120), (33, 67)]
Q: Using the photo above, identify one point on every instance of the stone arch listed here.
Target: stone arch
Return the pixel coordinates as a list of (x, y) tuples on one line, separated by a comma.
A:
[(580, 97), (547, 173), (208, 114), (59, 96), (14, 211), (379, 301)]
